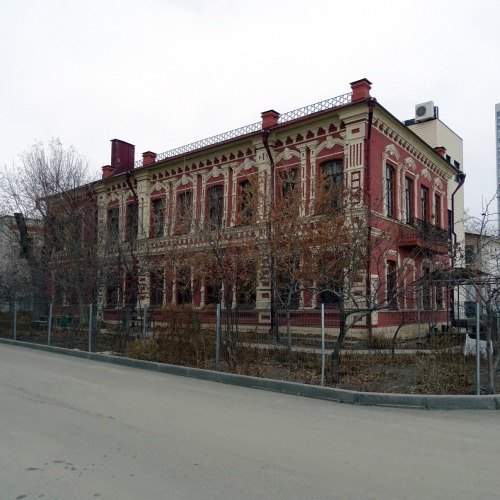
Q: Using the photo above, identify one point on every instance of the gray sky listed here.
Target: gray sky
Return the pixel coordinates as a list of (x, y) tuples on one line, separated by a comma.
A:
[(164, 73)]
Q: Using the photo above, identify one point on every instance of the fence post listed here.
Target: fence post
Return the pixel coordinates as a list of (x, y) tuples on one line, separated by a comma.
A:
[(14, 323), (90, 327), (322, 344), (144, 322), (478, 348), (49, 325), (217, 339)]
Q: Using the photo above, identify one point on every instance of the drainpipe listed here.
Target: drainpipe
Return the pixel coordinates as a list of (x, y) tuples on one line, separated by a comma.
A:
[(272, 270), (461, 180), (128, 175), (371, 106)]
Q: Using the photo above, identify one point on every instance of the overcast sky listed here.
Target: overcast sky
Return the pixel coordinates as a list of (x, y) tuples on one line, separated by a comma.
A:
[(164, 73)]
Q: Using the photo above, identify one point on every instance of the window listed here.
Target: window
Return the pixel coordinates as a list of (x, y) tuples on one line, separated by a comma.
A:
[(246, 285), (437, 210), (424, 199), (288, 185), (426, 289), (246, 205), (158, 217), (113, 223), (77, 231), (131, 290), (184, 211), (469, 254), (288, 287), (216, 208), (408, 200), (156, 282), (389, 190), (112, 291), (213, 293), (184, 295), (331, 298), (132, 225), (333, 185), (439, 298), (391, 285)]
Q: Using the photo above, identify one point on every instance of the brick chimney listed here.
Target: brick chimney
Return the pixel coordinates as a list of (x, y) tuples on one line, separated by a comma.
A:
[(269, 118), (107, 170), (440, 150), (122, 156), (360, 90), (148, 158)]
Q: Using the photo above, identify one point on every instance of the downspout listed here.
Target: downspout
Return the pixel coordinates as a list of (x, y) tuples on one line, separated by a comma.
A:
[(272, 270), (371, 106), (128, 175), (461, 180)]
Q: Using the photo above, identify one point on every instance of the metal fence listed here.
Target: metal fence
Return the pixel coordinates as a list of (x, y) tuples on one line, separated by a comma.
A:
[(232, 341)]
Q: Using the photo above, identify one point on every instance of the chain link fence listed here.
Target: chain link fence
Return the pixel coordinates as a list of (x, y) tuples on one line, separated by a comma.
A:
[(298, 347)]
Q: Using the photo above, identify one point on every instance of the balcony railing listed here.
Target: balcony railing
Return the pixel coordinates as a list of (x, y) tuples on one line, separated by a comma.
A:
[(420, 233), (333, 102)]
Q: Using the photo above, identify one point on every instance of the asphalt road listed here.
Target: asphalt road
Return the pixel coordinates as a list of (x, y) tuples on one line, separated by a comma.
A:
[(79, 429)]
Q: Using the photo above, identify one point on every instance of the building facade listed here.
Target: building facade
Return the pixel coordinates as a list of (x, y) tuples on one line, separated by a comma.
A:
[(394, 184), (497, 146)]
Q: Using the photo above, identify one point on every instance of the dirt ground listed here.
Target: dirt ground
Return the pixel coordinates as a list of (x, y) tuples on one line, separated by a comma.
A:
[(437, 367)]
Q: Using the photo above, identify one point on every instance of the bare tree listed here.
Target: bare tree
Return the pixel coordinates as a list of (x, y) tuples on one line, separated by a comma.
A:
[(52, 184), (481, 278)]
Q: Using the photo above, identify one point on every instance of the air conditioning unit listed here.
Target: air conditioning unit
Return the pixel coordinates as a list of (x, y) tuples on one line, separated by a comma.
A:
[(424, 111)]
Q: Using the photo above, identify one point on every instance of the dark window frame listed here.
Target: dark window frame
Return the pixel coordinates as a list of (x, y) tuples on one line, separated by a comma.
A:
[(246, 202), (184, 211), (424, 203), (158, 217), (157, 287), (391, 284), (408, 200), (132, 221), (437, 209), (216, 206), (390, 190), (113, 222), (333, 180)]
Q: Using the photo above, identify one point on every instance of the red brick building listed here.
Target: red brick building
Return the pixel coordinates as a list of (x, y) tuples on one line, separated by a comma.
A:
[(407, 186)]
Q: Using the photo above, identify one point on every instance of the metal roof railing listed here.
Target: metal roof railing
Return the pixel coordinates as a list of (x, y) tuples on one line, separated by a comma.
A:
[(333, 102)]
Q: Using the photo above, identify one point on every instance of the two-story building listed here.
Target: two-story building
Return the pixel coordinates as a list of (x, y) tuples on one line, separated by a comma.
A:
[(152, 212)]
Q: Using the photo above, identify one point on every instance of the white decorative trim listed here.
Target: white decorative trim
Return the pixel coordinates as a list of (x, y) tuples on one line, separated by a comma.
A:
[(157, 186), (426, 174), (409, 163), (185, 179), (438, 183), (329, 143), (287, 154), (391, 150)]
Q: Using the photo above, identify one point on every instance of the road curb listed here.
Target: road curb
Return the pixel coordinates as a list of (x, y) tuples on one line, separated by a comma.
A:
[(417, 401)]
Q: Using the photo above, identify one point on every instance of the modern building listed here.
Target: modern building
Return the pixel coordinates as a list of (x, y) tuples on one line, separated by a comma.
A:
[(497, 144), (482, 260), (401, 183)]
